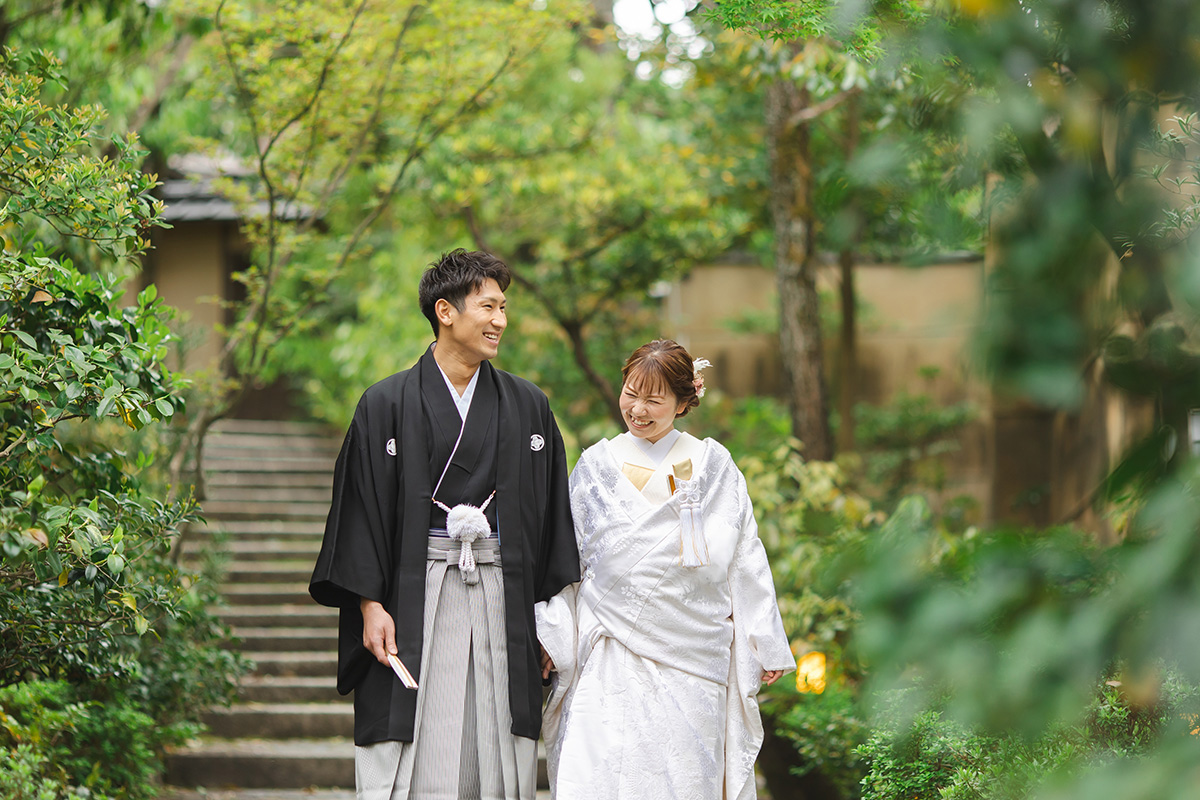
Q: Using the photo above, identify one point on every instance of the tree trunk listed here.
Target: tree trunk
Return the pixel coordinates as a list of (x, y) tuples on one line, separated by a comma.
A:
[(848, 346), (574, 331), (790, 158)]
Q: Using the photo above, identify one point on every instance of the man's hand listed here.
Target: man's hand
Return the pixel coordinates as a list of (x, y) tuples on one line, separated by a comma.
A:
[(771, 675), (379, 630), (547, 665)]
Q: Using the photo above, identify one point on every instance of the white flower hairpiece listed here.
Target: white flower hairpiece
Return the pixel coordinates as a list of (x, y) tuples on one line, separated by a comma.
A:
[(697, 378)]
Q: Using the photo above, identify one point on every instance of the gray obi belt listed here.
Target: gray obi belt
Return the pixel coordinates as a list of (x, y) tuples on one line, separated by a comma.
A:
[(467, 556)]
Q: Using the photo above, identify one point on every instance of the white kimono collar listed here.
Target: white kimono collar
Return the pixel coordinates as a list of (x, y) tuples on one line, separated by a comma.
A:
[(656, 451), (463, 403)]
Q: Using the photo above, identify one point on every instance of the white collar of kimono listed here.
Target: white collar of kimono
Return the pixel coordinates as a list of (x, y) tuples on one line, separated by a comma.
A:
[(656, 451), (463, 402)]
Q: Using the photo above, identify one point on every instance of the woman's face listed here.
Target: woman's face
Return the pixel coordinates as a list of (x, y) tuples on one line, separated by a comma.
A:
[(649, 411)]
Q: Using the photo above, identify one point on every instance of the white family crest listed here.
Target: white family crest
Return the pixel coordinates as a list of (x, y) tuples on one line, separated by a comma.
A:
[(536, 442), (391, 447)]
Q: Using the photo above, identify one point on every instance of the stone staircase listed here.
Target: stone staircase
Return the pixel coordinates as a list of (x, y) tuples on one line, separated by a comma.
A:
[(290, 735), (268, 494)]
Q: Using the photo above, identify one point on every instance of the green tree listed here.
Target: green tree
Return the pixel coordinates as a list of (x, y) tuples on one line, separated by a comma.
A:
[(592, 184), (332, 106), (68, 354), (803, 35), (592, 215), (1080, 112), (86, 594)]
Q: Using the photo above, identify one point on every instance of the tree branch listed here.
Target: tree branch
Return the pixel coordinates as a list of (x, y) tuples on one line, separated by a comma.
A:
[(809, 113)]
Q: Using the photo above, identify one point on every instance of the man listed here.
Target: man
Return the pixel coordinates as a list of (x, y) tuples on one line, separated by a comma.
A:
[(450, 519)]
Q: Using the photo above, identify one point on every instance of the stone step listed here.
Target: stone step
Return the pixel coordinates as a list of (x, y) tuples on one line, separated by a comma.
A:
[(258, 529), (282, 721), (272, 427), (294, 640), (307, 793), (300, 665), (264, 510), (314, 480), (297, 764), (301, 495), (263, 549), (292, 571), (214, 462), (284, 615), (268, 594), (289, 689), (308, 440), (302, 461)]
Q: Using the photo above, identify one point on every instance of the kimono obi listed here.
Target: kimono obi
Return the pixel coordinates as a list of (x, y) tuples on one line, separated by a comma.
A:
[(468, 556), (442, 533), (443, 548)]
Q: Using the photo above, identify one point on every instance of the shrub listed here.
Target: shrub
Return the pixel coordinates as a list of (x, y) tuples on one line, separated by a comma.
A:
[(934, 758)]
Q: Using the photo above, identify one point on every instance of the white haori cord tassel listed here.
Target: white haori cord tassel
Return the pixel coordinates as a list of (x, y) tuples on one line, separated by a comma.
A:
[(465, 523), (693, 545)]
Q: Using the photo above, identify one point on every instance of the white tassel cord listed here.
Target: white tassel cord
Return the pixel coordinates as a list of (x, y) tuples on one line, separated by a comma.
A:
[(465, 523), (693, 545)]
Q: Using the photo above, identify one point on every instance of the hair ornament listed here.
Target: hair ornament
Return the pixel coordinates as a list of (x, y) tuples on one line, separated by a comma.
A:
[(697, 378)]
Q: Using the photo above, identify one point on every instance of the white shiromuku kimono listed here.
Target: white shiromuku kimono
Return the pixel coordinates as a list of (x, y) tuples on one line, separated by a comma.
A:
[(659, 663)]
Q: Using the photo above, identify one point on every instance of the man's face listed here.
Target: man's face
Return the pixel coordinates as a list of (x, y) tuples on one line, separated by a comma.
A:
[(474, 333)]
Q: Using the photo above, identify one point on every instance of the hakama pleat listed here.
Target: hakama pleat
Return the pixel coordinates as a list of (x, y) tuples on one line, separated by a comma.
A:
[(463, 748)]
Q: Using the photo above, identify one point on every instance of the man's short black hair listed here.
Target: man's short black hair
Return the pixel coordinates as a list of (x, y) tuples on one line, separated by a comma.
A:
[(456, 275)]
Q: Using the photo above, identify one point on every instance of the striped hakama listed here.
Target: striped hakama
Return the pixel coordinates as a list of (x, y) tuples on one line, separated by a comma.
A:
[(462, 748)]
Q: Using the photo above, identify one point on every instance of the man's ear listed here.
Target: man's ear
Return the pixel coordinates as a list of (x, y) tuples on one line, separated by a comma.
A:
[(442, 310)]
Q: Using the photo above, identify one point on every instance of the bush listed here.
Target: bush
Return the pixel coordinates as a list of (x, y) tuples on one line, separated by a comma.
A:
[(823, 729), (933, 758), (24, 774), (106, 650), (61, 744), (810, 520)]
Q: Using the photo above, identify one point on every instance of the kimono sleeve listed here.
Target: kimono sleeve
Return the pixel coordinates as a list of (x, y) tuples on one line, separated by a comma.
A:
[(356, 552), (558, 562), (759, 642), (755, 608)]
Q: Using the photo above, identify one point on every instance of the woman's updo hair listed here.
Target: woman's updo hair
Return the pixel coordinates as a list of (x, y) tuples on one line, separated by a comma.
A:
[(663, 364)]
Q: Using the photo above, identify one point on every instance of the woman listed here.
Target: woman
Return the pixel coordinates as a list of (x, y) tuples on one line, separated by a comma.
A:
[(661, 649)]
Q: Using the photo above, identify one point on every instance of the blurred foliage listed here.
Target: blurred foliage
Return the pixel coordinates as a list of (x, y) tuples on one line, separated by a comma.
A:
[(903, 446), (826, 731), (932, 758), (88, 594), (1080, 114), (810, 519), (129, 57), (1009, 632)]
